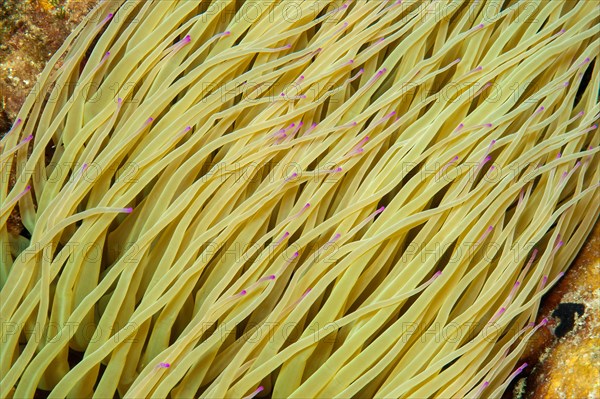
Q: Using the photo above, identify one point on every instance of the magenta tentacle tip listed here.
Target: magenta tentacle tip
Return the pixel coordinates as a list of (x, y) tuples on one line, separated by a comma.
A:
[(243, 292), (127, 210), (523, 367), (291, 177), (27, 188), (544, 321), (164, 365), (437, 274)]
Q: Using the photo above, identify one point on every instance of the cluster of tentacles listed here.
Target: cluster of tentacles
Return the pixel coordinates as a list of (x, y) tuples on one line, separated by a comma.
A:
[(312, 199)]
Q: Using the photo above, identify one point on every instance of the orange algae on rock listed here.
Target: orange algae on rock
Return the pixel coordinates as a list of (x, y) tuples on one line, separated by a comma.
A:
[(569, 366)]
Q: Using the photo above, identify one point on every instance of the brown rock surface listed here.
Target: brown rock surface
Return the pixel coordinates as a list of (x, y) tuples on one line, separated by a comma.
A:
[(567, 366), (30, 32)]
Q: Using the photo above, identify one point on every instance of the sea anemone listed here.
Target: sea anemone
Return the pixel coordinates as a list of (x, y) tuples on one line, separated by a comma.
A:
[(227, 199)]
